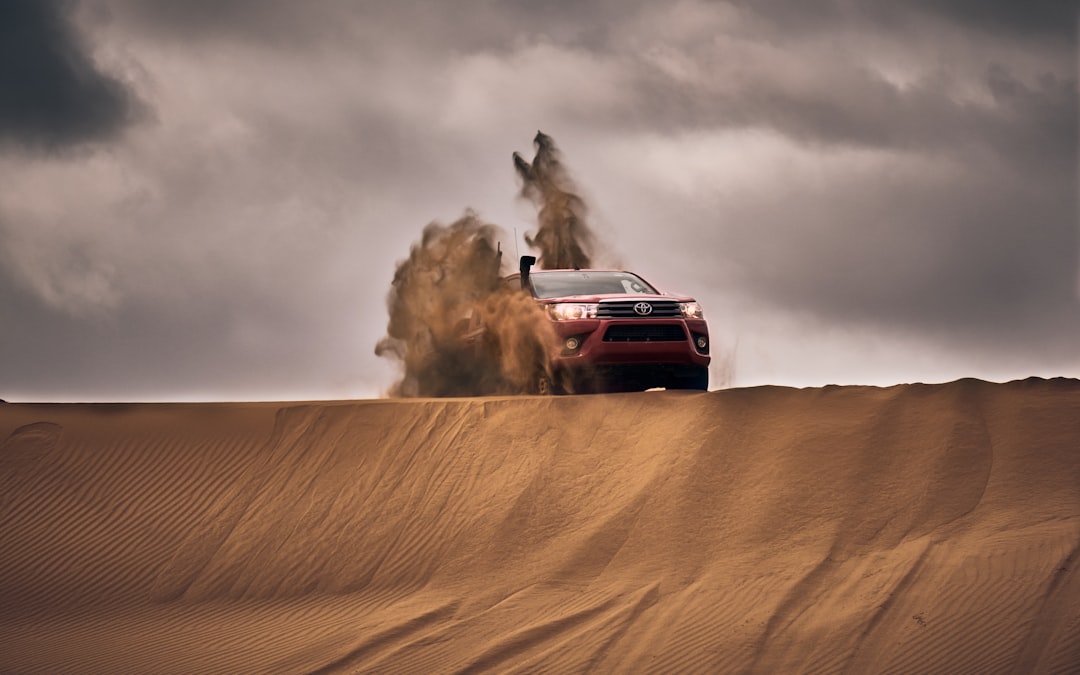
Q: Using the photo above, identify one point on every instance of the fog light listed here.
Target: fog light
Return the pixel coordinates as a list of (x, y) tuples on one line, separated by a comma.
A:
[(702, 343), (572, 343)]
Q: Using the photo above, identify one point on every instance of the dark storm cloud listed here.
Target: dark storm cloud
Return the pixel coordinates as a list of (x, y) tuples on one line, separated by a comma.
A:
[(1036, 123), (1031, 122), (279, 23), (465, 25), (815, 72), (51, 92), (482, 23), (1034, 19), (831, 96)]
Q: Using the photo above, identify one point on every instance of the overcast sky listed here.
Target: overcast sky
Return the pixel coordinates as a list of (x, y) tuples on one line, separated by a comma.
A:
[(206, 200)]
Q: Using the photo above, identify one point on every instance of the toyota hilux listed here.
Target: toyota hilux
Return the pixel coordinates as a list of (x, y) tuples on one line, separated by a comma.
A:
[(617, 332)]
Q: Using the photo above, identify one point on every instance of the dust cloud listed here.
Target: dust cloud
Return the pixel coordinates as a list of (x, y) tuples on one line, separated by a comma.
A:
[(563, 236), (456, 327)]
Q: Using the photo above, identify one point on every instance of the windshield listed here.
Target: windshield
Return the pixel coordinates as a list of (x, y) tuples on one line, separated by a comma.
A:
[(562, 284)]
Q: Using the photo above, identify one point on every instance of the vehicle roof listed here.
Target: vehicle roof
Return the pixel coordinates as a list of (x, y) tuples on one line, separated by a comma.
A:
[(659, 291)]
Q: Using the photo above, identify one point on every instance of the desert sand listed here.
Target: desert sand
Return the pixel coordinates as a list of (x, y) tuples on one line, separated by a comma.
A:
[(915, 528)]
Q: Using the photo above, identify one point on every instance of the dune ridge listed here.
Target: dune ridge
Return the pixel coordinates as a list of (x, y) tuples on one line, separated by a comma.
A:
[(915, 528)]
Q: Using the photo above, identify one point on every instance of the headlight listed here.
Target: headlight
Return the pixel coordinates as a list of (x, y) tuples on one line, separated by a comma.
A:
[(691, 310), (566, 311)]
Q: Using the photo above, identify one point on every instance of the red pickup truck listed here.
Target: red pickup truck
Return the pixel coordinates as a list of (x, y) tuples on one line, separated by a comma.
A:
[(617, 331)]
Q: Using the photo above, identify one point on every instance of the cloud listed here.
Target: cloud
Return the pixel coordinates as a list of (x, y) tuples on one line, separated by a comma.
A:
[(852, 81), (54, 95), (898, 174), (901, 242), (1035, 19)]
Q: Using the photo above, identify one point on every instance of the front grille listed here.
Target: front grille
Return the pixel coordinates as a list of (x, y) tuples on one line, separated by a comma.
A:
[(645, 333), (624, 309)]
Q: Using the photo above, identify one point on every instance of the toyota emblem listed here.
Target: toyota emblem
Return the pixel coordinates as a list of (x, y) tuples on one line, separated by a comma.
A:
[(643, 308)]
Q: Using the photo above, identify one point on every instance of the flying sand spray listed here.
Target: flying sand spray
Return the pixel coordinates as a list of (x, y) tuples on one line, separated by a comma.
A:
[(451, 283)]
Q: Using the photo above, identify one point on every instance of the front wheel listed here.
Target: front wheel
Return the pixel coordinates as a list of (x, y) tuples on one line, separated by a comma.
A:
[(546, 386)]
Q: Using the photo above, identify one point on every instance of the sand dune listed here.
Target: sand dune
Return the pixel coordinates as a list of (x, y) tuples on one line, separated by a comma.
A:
[(847, 529)]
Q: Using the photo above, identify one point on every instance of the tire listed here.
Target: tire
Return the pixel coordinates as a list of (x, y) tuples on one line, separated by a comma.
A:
[(545, 386)]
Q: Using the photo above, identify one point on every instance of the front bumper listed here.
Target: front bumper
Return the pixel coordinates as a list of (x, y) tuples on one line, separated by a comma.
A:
[(595, 352)]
